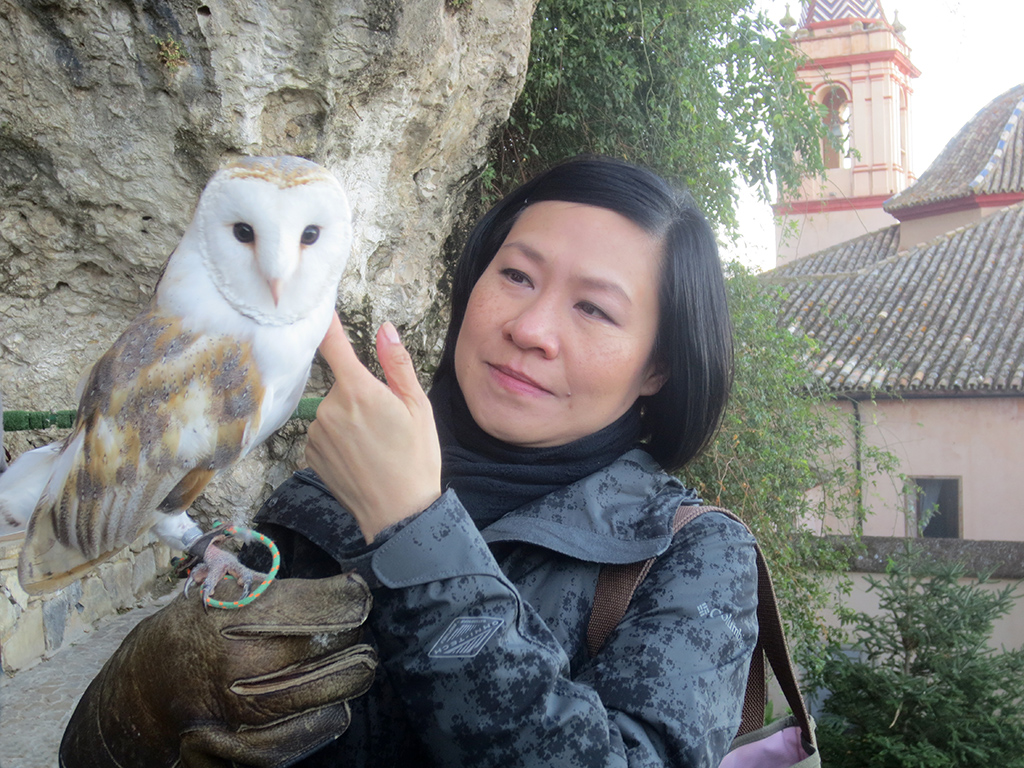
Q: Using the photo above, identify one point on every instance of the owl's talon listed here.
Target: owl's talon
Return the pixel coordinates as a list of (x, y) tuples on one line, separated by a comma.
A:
[(197, 575), (246, 582), (215, 565)]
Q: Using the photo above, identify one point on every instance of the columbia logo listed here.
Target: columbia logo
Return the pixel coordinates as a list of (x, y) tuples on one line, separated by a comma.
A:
[(707, 612), (465, 637)]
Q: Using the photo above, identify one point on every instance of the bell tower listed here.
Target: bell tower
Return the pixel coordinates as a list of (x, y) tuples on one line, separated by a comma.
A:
[(858, 67)]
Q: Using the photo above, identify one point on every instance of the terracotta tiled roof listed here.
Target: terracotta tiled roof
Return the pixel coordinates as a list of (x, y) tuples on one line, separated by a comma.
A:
[(945, 316), (846, 257), (985, 157)]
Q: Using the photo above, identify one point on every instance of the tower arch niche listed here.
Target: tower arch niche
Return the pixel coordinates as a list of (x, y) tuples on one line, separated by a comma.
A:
[(836, 101)]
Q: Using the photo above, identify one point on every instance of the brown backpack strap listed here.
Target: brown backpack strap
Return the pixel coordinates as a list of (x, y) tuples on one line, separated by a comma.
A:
[(617, 583)]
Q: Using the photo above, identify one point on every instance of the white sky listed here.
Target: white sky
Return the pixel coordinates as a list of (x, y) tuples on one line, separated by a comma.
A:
[(968, 52)]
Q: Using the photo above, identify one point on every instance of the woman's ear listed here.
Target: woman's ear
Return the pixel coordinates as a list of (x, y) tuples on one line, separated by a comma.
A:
[(654, 382)]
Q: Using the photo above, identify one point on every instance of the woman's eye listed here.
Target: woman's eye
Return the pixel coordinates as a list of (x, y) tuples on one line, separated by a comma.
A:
[(310, 234), (515, 276), (592, 310), (244, 232)]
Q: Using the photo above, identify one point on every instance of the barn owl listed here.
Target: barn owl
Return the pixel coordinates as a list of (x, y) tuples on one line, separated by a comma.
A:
[(214, 365)]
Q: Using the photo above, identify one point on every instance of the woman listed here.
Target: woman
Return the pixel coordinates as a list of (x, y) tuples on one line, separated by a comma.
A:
[(589, 350)]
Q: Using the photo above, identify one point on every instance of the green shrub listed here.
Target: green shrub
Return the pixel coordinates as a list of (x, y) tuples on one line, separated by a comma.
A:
[(921, 687)]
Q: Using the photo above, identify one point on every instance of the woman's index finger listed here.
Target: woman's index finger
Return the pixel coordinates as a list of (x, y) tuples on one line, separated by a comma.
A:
[(337, 350)]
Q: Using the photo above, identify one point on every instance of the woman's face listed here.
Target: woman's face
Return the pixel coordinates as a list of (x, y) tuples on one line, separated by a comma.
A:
[(559, 330)]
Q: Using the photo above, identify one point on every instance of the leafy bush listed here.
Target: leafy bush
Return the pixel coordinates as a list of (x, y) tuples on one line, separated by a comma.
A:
[(921, 687), (702, 91)]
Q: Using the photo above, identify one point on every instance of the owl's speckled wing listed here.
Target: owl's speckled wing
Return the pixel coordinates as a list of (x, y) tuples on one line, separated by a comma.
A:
[(161, 412)]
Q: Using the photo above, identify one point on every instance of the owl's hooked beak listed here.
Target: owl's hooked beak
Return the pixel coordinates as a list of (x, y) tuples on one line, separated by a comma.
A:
[(275, 289), (277, 259)]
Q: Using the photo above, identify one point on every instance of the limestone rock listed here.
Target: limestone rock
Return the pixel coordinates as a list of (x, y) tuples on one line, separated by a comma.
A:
[(20, 648), (113, 116)]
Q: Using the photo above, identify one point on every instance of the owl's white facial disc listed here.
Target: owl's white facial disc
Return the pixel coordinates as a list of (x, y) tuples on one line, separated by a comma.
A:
[(275, 234)]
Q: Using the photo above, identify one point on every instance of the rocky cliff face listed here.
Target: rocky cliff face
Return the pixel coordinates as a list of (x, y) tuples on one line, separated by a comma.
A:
[(113, 115)]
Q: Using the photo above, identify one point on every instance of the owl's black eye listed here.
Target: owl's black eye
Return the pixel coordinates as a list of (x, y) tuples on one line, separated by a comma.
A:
[(243, 233), (310, 234)]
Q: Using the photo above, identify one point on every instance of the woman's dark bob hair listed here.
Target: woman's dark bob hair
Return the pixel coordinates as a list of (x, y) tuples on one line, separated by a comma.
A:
[(694, 339)]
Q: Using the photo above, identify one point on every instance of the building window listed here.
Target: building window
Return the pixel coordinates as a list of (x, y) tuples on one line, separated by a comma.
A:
[(837, 118), (936, 505)]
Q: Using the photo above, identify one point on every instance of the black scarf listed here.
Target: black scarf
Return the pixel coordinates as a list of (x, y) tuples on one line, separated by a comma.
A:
[(492, 477)]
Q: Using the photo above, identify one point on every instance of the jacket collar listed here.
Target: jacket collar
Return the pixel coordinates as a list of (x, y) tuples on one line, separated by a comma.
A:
[(620, 514)]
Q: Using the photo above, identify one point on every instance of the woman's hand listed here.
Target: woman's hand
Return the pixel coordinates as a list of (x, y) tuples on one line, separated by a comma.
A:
[(375, 445)]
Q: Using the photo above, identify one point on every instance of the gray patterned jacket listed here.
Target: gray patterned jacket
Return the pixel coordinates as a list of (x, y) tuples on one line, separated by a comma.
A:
[(482, 634)]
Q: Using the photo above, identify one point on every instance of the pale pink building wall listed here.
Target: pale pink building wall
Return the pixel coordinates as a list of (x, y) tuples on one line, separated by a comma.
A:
[(917, 231), (979, 440), (802, 235)]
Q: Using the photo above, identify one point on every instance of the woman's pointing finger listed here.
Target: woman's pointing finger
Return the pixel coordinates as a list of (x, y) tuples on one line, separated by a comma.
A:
[(337, 350)]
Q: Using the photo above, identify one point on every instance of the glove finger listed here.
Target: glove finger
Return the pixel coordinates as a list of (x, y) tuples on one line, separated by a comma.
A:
[(278, 744), (305, 686), (303, 607)]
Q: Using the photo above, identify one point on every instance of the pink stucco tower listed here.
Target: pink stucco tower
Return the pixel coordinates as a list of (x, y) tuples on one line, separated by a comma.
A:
[(858, 66)]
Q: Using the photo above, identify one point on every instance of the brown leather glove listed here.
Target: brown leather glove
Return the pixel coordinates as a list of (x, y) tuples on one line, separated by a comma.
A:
[(262, 685)]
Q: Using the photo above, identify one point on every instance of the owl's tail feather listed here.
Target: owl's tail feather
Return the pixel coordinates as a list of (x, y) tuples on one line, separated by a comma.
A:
[(22, 485), (38, 575), (52, 556), (46, 563)]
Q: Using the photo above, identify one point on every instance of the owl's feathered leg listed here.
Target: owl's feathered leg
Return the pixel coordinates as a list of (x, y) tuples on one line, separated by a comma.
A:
[(208, 562)]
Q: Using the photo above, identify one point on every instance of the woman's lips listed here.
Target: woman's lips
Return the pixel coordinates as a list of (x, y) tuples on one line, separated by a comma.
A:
[(513, 380)]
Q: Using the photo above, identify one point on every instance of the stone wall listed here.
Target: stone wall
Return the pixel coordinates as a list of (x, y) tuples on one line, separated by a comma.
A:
[(33, 627), (114, 114), (999, 559)]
